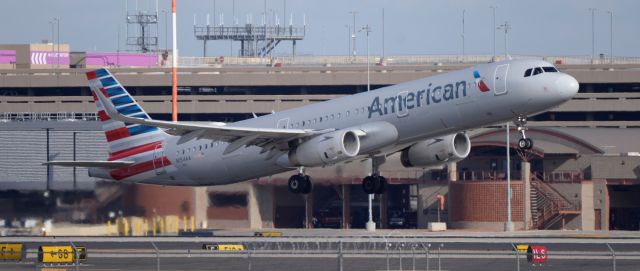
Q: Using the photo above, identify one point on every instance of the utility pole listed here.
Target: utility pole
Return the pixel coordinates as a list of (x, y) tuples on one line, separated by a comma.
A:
[(593, 34), (493, 29), (506, 27)]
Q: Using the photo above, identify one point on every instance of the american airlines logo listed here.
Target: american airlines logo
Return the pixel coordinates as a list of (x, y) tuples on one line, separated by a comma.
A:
[(480, 81), (411, 99)]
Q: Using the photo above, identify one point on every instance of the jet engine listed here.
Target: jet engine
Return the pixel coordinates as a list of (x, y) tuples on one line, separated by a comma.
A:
[(433, 152), (326, 149)]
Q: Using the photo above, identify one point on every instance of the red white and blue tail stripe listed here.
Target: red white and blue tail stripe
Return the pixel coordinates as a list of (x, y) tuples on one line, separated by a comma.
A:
[(127, 142)]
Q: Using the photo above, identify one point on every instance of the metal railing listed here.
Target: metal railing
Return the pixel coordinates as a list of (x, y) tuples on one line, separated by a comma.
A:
[(365, 253), (48, 116), (550, 204)]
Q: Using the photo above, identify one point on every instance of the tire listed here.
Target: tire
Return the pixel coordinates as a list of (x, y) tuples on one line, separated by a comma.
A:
[(295, 183), (307, 185), (523, 143), (369, 185), (529, 143)]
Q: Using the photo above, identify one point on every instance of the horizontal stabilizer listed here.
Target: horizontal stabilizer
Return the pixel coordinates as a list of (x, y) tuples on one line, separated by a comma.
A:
[(93, 164)]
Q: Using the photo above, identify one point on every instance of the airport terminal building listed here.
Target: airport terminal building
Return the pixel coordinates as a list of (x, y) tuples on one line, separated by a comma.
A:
[(582, 173)]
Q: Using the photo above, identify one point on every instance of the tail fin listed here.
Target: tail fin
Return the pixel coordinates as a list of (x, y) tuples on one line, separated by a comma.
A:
[(125, 139)]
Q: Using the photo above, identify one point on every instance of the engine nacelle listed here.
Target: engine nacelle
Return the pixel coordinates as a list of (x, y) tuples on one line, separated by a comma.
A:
[(326, 149), (433, 152)]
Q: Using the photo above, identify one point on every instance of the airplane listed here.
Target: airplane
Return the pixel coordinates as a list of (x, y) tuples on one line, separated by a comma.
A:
[(425, 120)]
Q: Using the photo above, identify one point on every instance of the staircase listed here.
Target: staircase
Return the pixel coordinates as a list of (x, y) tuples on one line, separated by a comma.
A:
[(548, 206)]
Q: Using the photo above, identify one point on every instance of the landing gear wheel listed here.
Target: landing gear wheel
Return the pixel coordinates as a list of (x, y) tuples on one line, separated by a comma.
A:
[(295, 182), (369, 185), (300, 184), (525, 143), (382, 186), (374, 184), (522, 144), (529, 143)]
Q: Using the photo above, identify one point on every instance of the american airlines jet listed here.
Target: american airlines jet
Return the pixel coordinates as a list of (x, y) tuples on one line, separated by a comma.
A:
[(425, 120)]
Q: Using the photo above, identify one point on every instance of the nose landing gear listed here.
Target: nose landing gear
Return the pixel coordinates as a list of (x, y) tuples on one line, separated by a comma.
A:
[(524, 143)]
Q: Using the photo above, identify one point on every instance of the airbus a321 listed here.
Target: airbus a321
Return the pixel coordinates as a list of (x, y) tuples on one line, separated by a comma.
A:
[(425, 120)]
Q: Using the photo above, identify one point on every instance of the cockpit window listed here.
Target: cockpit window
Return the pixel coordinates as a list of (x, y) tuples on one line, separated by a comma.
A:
[(549, 69), (527, 73), (537, 71)]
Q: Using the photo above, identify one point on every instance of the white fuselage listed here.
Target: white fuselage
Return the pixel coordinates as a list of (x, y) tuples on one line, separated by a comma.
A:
[(421, 109)]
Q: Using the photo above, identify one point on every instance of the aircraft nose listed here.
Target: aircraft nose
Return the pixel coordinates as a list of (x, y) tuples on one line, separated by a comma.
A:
[(567, 86)]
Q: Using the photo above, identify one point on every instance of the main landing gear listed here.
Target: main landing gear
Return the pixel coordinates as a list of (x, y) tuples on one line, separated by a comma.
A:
[(524, 143), (300, 183), (375, 184)]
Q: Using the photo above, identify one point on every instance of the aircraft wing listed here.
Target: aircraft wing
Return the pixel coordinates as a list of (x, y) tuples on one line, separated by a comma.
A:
[(267, 138), (94, 164)]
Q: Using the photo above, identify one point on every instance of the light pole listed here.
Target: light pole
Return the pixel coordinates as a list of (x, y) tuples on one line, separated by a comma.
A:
[(53, 40), (506, 27), (463, 11), (593, 34), (367, 30), (508, 226), (166, 31), (611, 35), (353, 36), (58, 34), (493, 29), (382, 60)]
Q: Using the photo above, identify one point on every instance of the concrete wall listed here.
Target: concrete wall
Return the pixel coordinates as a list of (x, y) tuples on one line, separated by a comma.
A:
[(616, 167), (587, 215), (558, 163)]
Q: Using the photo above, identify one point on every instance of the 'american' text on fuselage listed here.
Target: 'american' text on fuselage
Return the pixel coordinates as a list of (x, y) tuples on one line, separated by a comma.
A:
[(412, 99)]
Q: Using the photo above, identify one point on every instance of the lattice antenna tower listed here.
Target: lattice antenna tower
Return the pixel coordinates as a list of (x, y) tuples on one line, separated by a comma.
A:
[(142, 28)]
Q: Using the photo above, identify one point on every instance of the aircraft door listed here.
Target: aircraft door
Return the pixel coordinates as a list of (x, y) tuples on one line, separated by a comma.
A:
[(158, 160), (283, 123), (500, 79)]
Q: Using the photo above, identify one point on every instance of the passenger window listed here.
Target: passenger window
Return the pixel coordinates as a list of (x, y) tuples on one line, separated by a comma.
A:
[(527, 73), (348, 113), (549, 69), (537, 71)]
